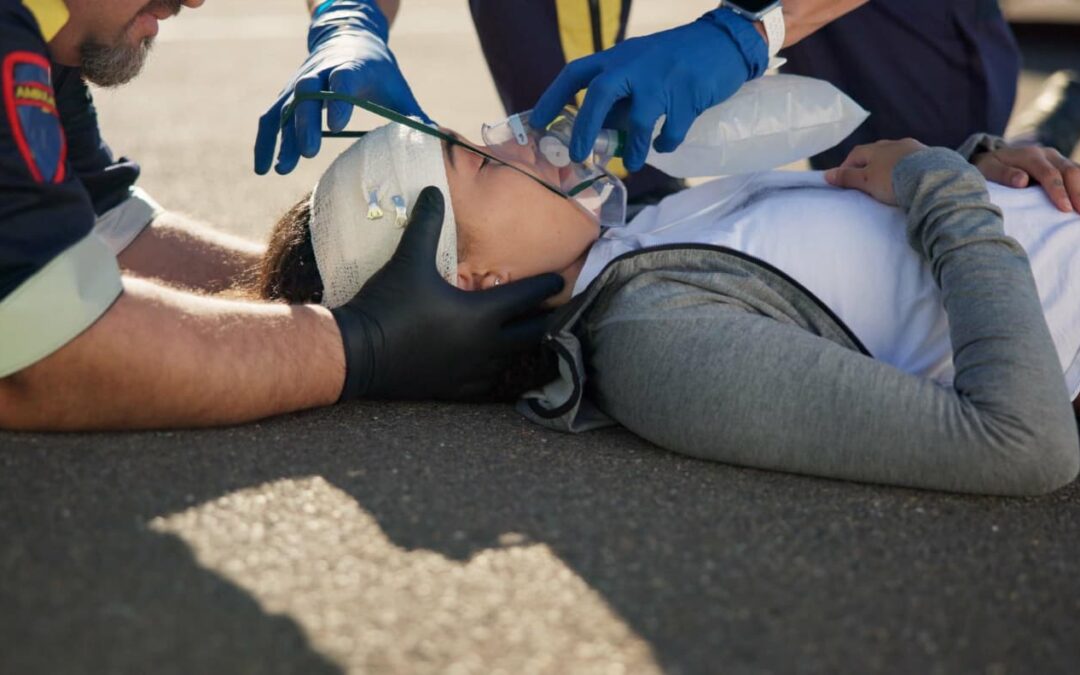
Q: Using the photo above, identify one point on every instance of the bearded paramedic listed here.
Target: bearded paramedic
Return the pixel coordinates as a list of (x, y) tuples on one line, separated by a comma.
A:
[(88, 341)]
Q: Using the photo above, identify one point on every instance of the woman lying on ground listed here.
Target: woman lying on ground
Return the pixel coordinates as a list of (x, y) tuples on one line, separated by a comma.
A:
[(770, 320)]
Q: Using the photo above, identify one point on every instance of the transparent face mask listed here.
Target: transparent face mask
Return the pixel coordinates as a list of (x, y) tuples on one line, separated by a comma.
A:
[(545, 153), (542, 155)]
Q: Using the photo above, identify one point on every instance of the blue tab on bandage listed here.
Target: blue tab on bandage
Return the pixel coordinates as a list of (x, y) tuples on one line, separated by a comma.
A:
[(321, 7)]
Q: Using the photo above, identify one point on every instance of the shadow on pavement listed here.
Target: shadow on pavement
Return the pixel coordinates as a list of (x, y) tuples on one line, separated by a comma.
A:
[(712, 566), (87, 588)]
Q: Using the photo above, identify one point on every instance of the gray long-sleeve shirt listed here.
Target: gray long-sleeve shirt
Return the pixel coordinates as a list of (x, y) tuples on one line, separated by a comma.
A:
[(708, 353)]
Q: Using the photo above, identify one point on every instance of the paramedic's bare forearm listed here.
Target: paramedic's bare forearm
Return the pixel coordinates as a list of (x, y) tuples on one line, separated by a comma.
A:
[(388, 7), (805, 17), (181, 251), (163, 358)]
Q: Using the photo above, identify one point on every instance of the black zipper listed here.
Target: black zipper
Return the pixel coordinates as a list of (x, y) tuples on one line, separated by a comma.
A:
[(597, 33), (572, 315), (738, 254), (575, 395)]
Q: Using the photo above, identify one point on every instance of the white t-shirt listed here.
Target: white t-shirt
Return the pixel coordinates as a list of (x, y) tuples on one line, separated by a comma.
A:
[(852, 253)]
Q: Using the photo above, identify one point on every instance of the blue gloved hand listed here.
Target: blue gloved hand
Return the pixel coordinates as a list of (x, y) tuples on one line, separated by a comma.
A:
[(348, 54), (679, 73)]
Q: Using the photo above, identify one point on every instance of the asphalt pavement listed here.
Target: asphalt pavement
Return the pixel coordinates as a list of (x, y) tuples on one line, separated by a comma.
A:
[(425, 538)]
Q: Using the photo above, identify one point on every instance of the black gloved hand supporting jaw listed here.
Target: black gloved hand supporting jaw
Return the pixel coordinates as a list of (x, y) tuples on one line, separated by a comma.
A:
[(358, 333), (409, 334)]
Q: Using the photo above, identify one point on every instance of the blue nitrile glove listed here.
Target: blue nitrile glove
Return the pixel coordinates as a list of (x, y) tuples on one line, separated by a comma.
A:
[(679, 73), (348, 54)]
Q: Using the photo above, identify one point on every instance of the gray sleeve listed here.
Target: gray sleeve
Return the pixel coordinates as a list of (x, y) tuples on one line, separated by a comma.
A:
[(718, 382), (976, 144)]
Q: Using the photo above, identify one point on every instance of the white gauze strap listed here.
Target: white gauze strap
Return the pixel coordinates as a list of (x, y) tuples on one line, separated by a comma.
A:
[(391, 161)]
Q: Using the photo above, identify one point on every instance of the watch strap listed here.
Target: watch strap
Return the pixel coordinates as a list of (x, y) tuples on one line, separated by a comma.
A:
[(775, 30)]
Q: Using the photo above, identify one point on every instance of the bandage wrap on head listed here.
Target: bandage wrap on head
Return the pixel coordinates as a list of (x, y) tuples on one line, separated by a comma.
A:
[(360, 205)]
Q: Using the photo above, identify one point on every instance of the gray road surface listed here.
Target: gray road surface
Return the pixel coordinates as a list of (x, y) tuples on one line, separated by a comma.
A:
[(376, 538)]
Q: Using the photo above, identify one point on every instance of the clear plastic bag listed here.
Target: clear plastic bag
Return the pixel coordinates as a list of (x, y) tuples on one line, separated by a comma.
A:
[(771, 121)]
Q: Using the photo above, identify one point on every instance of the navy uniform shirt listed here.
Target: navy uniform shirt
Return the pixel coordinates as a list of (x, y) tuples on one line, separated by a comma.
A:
[(56, 176), (936, 70)]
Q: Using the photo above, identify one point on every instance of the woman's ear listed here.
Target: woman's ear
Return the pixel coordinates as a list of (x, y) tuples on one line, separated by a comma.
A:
[(491, 280)]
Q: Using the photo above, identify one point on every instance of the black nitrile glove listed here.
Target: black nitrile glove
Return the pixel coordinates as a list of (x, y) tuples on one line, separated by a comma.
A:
[(410, 335)]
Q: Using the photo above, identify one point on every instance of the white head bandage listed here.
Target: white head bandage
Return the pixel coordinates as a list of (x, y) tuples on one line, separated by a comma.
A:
[(360, 205)]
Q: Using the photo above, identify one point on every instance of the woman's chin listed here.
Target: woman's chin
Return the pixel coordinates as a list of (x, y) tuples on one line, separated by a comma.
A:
[(556, 301)]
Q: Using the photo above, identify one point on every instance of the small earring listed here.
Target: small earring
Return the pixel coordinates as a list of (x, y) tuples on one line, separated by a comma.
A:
[(497, 282)]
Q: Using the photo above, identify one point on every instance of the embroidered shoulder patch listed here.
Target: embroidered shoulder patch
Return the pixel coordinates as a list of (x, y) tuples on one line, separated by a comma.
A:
[(30, 105)]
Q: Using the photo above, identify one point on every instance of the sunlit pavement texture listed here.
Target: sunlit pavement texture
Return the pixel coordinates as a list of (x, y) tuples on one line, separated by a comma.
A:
[(376, 538)]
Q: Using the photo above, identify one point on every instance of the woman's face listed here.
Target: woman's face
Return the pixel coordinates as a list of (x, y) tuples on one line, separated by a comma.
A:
[(510, 227)]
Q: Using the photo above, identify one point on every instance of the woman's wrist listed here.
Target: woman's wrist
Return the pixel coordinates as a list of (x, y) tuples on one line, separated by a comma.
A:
[(980, 143), (921, 173), (948, 206)]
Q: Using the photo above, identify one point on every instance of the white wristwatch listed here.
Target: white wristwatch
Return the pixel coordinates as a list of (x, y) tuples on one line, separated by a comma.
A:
[(771, 14)]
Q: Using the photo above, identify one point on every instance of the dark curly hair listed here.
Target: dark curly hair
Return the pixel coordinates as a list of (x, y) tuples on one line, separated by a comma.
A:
[(288, 272)]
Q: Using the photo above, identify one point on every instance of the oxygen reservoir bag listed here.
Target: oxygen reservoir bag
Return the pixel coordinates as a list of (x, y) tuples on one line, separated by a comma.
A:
[(769, 122)]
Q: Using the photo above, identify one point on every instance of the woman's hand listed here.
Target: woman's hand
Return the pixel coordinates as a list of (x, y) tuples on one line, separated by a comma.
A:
[(1017, 166), (869, 168)]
